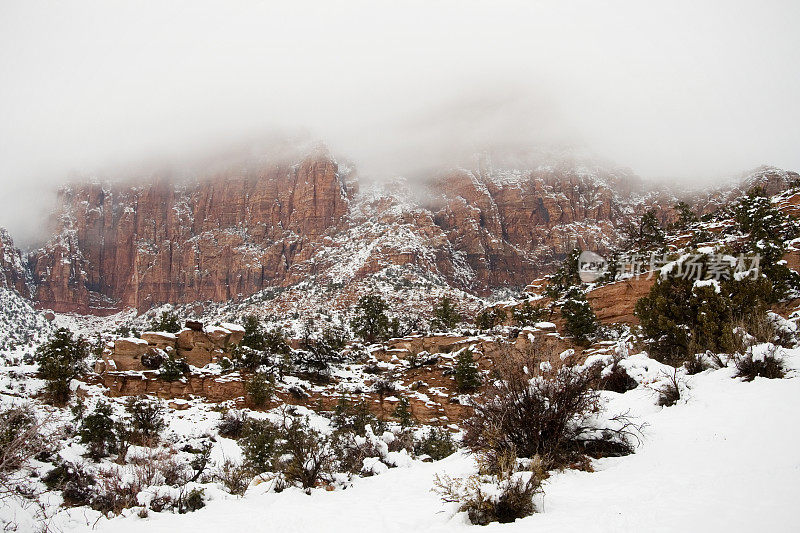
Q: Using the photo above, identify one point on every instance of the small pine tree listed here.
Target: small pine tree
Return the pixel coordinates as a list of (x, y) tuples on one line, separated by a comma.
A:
[(403, 413), (146, 418), (323, 349), (254, 335), (260, 389), (97, 430), (60, 360), (566, 277), (168, 321), (349, 417), (445, 316), (172, 368), (647, 234), (580, 320), (612, 268), (680, 319), (686, 217), (370, 321), (483, 320), (527, 314), (260, 444), (466, 372), (768, 230), (402, 326), (437, 443), (489, 318)]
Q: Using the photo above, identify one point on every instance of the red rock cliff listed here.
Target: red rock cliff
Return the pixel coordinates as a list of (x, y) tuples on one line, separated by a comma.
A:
[(12, 268), (233, 234), (216, 239)]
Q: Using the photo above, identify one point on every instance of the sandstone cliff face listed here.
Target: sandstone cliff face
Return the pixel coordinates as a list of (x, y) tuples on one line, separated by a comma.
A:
[(512, 225), (217, 239), (12, 267), (307, 222)]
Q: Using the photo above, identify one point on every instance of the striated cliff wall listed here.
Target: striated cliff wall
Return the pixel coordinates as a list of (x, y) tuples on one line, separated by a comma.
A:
[(230, 235), (13, 271), (238, 232)]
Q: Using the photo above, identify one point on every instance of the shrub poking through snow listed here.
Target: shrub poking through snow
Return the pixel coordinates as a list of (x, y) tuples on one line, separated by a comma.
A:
[(768, 229), (617, 379), (146, 418), (763, 360), (22, 437), (172, 368), (234, 476), (259, 444), (669, 392), (402, 412), (370, 321), (77, 485), (232, 424), (357, 454), (191, 501), (614, 377), (97, 430), (681, 316), (352, 417), (547, 415), (305, 454), (695, 364), (466, 372), (500, 496), (437, 444)]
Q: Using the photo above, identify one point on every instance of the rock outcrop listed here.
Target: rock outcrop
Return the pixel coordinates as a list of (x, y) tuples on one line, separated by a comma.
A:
[(12, 268), (197, 347), (227, 236)]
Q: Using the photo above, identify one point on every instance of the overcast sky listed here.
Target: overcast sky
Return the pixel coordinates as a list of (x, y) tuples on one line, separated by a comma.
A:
[(680, 89)]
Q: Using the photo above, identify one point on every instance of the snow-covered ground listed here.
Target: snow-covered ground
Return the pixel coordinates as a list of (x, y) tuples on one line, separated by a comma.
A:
[(723, 459)]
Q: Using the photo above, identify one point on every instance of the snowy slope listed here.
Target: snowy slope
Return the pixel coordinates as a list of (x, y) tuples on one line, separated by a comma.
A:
[(724, 459), (21, 326)]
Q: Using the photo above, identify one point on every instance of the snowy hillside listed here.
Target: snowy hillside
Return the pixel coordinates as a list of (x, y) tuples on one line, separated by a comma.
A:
[(722, 459), (20, 324)]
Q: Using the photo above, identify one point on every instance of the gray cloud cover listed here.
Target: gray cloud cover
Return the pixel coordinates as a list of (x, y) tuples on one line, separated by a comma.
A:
[(682, 90)]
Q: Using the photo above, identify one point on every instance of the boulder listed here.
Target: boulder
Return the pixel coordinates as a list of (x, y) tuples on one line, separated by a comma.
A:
[(160, 339), (237, 332), (130, 347)]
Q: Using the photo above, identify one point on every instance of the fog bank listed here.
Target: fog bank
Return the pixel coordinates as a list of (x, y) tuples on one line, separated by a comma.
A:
[(674, 90)]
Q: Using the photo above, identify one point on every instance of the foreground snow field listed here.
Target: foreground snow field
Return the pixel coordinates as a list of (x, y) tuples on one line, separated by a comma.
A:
[(723, 460)]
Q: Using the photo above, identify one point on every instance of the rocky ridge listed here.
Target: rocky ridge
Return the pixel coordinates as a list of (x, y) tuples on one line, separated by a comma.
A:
[(280, 225)]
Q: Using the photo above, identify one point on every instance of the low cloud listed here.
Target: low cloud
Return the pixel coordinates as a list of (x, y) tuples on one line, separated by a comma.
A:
[(677, 90)]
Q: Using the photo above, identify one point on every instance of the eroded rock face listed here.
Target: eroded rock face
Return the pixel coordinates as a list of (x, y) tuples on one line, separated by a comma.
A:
[(12, 267), (198, 347), (232, 235), (238, 232), (511, 225)]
